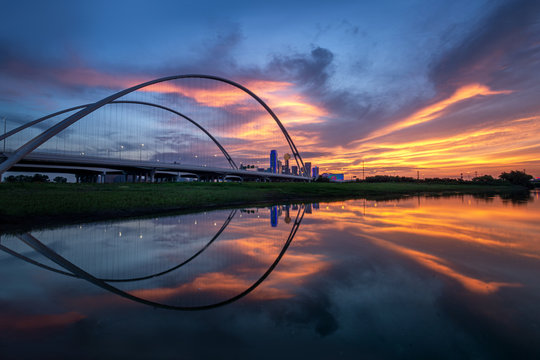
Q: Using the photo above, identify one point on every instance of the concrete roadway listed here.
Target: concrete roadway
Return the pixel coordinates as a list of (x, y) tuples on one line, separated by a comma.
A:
[(42, 162)]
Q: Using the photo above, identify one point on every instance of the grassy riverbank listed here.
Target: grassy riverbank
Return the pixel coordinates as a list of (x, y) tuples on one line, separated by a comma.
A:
[(29, 202)]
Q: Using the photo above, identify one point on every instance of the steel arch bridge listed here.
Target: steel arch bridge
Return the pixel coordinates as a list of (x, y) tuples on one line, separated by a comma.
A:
[(70, 269), (24, 157)]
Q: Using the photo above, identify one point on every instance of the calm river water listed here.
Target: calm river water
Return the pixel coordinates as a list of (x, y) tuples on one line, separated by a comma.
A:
[(421, 277)]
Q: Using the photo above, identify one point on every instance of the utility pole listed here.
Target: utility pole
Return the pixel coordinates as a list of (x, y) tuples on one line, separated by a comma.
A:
[(363, 171)]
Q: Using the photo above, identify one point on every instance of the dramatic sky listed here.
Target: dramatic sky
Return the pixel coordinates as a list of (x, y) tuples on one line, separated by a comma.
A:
[(439, 87)]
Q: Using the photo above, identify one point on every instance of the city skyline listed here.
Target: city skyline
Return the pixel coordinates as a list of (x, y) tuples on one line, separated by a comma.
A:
[(447, 89)]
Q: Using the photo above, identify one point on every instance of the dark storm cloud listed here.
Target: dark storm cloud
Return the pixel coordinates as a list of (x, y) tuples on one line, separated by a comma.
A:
[(313, 74), (44, 82), (16, 62), (315, 312), (312, 71), (501, 51), (75, 73), (508, 37), (494, 44), (215, 55)]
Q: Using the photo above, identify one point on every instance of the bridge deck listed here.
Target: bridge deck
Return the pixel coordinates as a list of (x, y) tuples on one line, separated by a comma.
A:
[(76, 164)]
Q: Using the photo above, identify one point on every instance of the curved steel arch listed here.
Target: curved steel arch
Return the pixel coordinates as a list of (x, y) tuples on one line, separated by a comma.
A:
[(41, 119), (139, 278), (37, 121), (54, 130), (80, 273)]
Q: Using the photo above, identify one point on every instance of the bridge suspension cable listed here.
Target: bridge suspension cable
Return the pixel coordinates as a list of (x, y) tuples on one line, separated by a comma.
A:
[(142, 147)]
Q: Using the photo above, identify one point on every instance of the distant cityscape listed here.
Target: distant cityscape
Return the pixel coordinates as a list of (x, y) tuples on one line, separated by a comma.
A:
[(282, 166)]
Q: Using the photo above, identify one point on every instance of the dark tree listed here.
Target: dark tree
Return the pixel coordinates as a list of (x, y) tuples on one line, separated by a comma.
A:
[(485, 179), (10, 179), (26, 178), (322, 179), (60, 180), (517, 178), (40, 178)]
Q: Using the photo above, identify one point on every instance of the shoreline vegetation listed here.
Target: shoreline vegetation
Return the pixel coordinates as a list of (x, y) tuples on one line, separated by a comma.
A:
[(26, 206)]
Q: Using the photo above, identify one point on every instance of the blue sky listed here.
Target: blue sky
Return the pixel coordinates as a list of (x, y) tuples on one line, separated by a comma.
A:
[(366, 65)]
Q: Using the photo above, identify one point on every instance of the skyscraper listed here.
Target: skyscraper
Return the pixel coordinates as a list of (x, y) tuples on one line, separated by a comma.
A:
[(274, 216), (273, 161), (286, 157), (307, 166), (315, 172)]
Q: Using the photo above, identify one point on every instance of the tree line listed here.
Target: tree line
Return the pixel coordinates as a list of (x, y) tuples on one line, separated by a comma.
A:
[(36, 178), (513, 177)]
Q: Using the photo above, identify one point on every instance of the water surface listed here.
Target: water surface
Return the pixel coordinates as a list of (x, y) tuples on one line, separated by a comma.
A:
[(452, 277)]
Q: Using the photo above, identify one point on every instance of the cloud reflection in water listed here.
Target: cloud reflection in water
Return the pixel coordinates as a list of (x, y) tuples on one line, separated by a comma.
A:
[(426, 277)]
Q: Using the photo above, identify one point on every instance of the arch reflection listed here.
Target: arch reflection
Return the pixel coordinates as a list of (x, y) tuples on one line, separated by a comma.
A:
[(27, 240), (69, 268)]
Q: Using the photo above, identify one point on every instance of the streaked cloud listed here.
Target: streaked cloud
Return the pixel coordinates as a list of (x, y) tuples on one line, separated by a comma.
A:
[(450, 95), (433, 111)]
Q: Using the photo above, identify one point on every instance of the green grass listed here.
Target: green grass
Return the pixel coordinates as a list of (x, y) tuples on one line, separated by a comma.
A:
[(20, 201)]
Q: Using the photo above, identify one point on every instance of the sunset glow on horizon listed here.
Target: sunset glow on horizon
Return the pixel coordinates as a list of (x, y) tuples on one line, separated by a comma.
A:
[(458, 98)]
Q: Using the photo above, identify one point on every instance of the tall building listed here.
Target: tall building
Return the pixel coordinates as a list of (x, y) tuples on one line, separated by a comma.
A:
[(286, 157), (273, 161), (315, 172), (307, 166), (279, 167), (294, 170), (274, 216)]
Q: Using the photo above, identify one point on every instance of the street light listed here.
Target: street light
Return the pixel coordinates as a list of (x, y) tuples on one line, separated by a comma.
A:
[(121, 148), (140, 152), (5, 128)]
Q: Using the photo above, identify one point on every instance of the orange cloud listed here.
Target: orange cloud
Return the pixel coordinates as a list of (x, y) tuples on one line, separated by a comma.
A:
[(279, 285), (431, 112), (227, 285), (39, 322), (435, 236), (91, 77), (441, 266), (490, 149)]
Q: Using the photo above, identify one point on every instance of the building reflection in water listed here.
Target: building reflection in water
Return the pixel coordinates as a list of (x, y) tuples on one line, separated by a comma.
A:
[(425, 274), (140, 260)]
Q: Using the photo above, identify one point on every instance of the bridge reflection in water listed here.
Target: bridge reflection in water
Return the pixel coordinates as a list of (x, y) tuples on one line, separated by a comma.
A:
[(189, 262), (437, 277)]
